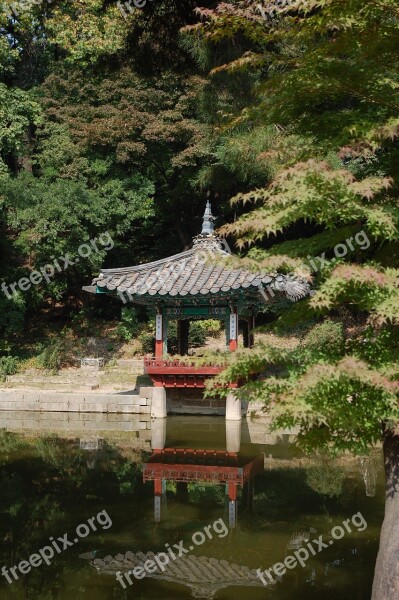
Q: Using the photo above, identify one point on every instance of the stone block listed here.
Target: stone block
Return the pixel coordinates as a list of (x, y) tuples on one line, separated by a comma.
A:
[(158, 405), (146, 392)]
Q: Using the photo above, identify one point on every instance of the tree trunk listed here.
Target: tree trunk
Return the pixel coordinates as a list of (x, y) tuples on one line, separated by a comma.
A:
[(386, 576)]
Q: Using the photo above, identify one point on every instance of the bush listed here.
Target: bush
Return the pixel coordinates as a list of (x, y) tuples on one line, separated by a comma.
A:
[(80, 323), (211, 327), (12, 315), (376, 347), (8, 366), (326, 480), (128, 327), (147, 341), (326, 339), (51, 358), (198, 334), (5, 347)]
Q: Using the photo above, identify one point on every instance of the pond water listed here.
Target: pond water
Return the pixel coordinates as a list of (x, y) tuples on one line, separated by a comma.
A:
[(52, 483)]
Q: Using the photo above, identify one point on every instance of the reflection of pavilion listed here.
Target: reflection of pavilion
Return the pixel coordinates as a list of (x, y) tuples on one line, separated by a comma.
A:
[(183, 465), (204, 576)]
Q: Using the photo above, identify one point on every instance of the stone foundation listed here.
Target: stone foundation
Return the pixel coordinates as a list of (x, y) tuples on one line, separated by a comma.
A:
[(147, 401), (192, 402)]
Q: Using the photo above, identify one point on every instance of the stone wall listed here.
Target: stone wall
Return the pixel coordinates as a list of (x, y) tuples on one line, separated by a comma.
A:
[(40, 401)]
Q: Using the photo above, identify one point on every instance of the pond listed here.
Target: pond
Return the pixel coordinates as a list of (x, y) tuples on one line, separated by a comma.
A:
[(207, 506)]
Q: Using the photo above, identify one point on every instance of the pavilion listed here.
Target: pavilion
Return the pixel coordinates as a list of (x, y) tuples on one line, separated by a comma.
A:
[(199, 283)]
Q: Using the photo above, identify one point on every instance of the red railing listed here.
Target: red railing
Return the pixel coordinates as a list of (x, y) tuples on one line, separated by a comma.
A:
[(178, 367), (179, 373)]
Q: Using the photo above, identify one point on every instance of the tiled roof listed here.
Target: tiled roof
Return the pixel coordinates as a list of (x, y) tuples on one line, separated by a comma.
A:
[(201, 271)]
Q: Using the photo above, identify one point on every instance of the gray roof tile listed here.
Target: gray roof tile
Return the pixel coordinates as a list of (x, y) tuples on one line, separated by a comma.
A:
[(189, 274)]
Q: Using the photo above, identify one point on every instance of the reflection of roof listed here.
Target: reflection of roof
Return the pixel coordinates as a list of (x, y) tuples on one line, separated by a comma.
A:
[(205, 576), (202, 271), (201, 465)]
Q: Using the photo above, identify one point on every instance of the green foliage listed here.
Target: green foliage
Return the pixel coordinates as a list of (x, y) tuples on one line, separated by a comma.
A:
[(52, 357), (8, 366), (10, 442), (12, 314), (87, 31), (206, 494), (316, 77), (55, 218), (197, 336), (211, 327), (325, 339), (18, 112), (315, 192), (309, 246), (128, 477), (148, 343), (337, 113), (326, 479), (379, 347), (129, 325), (238, 158)]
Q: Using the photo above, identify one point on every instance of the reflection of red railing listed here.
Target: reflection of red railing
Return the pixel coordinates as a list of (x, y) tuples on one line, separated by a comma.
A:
[(201, 465)]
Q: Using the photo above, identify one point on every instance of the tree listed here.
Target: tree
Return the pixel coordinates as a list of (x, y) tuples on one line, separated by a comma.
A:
[(94, 138), (329, 84)]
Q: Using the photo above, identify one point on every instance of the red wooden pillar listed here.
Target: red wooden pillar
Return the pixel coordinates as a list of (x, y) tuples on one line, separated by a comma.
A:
[(159, 336), (233, 330)]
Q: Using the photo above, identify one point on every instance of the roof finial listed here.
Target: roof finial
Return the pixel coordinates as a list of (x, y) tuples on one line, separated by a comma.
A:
[(207, 223)]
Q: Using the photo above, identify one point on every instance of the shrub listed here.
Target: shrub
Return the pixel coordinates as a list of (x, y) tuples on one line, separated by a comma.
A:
[(51, 358), (8, 366), (326, 479), (5, 347), (12, 315), (128, 327), (198, 334), (81, 323), (211, 327), (326, 339), (376, 347), (147, 341)]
